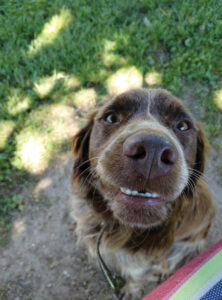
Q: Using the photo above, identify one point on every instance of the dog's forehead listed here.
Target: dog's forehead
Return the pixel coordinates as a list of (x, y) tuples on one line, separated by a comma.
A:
[(153, 101), (163, 103), (134, 100)]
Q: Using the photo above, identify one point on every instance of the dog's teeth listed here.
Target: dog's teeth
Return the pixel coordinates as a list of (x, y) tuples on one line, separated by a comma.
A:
[(126, 191), (155, 195), (148, 194), (136, 193)]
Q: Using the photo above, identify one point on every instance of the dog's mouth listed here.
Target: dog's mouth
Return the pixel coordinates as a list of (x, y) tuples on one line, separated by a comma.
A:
[(136, 207), (139, 207), (140, 199), (139, 193)]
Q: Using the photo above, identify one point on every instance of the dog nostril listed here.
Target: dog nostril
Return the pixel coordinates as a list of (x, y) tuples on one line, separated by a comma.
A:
[(134, 151), (139, 153), (168, 157)]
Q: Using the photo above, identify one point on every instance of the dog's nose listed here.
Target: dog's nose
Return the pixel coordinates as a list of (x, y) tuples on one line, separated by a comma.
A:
[(151, 155)]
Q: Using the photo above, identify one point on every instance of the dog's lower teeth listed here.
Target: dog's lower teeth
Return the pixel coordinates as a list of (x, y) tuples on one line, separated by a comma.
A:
[(128, 192), (148, 194), (136, 193)]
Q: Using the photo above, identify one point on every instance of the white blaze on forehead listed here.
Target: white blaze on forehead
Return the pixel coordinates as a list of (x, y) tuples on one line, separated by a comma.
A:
[(149, 127)]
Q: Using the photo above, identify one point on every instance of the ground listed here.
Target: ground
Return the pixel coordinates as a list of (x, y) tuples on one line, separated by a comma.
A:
[(42, 260)]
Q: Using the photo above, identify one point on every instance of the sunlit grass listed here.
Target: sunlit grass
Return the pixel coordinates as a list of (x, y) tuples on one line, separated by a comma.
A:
[(71, 81), (124, 79), (45, 130), (153, 78), (218, 99), (44, 86), (61, 120), (51, 30), (85, 99), (6, 128), (17, 102), (109, 56), (32, 153)]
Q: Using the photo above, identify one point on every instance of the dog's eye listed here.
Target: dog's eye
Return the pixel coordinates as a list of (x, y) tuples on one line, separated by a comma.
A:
[(183, 126), (111, 118)]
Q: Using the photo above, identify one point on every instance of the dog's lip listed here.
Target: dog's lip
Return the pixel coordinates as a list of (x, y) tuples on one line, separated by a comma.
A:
[(149, 202)]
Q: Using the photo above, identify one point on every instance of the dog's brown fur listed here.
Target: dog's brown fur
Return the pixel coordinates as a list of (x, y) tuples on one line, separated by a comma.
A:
[(141, 248)]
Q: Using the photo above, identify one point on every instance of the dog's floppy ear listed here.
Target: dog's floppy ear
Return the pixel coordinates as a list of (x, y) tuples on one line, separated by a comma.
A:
[(81, 139), (198, 169), (81, 147), (202, 149)]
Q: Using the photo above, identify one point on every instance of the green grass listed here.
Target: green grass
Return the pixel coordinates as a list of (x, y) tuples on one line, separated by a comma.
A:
[(7, 205), (64, 53)]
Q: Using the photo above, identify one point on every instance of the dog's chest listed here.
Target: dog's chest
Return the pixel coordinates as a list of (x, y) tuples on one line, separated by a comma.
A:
[(134, 266), (156, 267), (123, 262)]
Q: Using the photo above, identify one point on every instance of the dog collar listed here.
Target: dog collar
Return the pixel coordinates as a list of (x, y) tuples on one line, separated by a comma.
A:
[(114, 282)]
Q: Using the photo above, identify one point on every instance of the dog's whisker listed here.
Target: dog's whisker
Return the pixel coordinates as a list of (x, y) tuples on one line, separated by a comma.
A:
[(88, 169), (87, 161), (86, 179), (198, 174)]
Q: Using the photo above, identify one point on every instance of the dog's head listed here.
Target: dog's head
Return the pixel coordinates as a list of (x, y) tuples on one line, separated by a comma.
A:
[(138, 154)]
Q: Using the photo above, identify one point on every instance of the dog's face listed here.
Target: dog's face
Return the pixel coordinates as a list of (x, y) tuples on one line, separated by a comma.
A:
[(141, 152)]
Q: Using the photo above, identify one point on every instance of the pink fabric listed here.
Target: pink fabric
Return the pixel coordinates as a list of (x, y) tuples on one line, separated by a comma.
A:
[(169, 287)]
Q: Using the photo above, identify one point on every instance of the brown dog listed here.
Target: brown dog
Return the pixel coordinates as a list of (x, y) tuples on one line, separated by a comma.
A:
[(138, 170)]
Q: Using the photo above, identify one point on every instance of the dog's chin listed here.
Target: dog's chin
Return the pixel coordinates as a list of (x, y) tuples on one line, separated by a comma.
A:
[(137, 208), (141, 212)]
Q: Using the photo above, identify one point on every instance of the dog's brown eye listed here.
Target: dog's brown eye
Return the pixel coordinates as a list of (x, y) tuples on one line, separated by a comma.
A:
[(111, 118), (183, 126)]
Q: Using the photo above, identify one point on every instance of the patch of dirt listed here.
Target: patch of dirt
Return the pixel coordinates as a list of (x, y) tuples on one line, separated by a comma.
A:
[(42, 260)]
